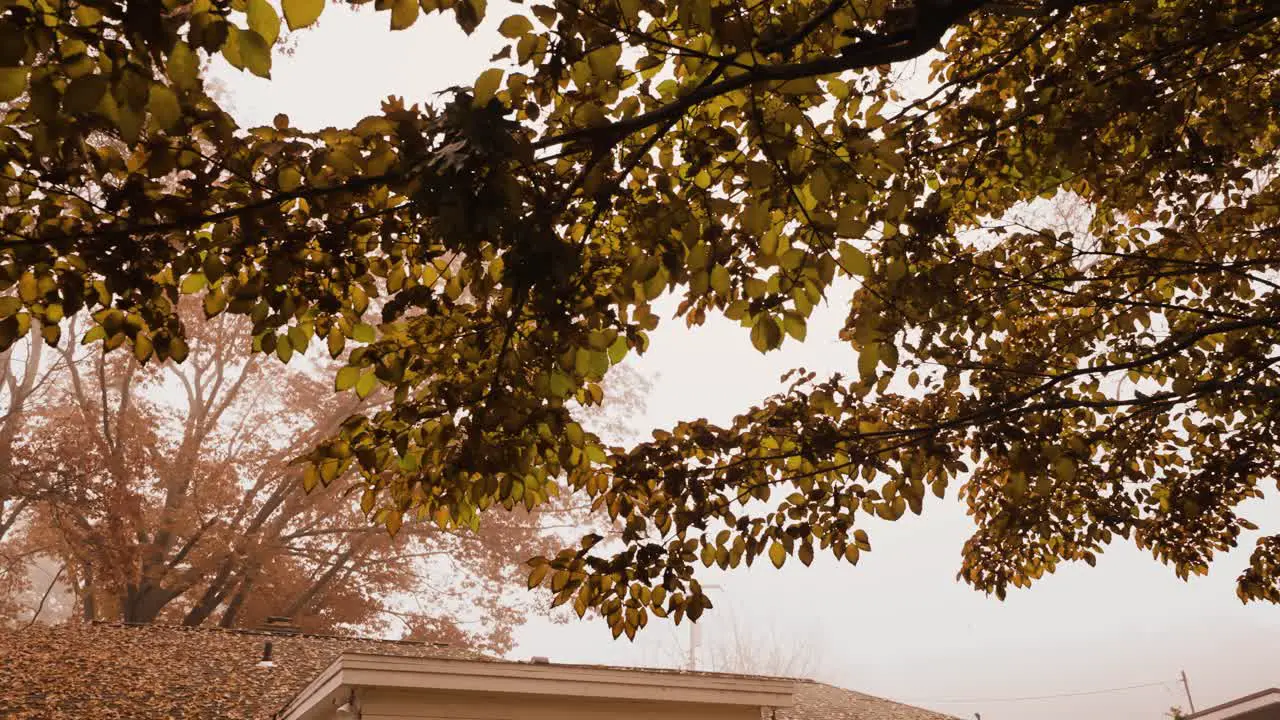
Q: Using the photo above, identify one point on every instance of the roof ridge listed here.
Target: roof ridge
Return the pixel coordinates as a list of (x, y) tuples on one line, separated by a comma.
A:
[(262, 631)]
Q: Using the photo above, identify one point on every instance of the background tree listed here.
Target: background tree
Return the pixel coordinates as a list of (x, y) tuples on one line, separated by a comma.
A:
[(492, 258), (180, 502)]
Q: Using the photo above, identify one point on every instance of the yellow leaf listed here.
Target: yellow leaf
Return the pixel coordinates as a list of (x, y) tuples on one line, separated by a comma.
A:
[(13, 82), (800, 86), (777, 554), (404, 13), (301, 13), (720, 280), (854, 261), (604, 61), (184, 66), (256, 53), (194, 283), (538, 573), (515, 26), (868, 359), (765, 334), (27, 287), (264, 20), (165, 110), (289, 178), (487, 84), (1065, 469)]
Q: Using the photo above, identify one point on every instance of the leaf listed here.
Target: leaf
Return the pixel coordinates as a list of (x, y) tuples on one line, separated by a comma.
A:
[(310, 478), (765, 334), (255, 53), (800, 86), (363, 332), (604, 61), (366, 384), (28, 289), (301, 13), (487, 85), (13, 82), (854, 260), (794, 325), (868, 360), (1065, 469), (515, 26), (404, 13), (346, 378), (289, 179), (184, 66), (84, 94), (164, 107), (193, 283), (720, 280), (264, 20), (538, 573), (777, 554), (805, 554)]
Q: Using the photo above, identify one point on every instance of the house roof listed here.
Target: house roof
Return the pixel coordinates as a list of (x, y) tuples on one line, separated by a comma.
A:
[(1262, 703), (165, 671), (819, 701)]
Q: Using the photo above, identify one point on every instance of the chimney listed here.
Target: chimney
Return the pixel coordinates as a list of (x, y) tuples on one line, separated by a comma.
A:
[(266, 660)]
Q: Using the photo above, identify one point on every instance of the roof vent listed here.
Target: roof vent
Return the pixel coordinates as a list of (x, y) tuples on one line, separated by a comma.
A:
[(280, 624), (540, 660)]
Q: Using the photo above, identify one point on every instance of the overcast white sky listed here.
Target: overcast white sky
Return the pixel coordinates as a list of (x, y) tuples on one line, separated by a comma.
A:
[(898, 625)]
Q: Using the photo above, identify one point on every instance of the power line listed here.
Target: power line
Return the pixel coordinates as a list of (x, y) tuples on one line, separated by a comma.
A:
[(1104, 691)]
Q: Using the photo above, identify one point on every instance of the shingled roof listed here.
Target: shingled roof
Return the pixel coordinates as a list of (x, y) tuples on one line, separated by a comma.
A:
[(113, 672)]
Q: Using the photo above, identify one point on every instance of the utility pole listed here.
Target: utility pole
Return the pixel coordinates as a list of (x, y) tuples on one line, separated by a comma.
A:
[(1187, 686), (695, 635)]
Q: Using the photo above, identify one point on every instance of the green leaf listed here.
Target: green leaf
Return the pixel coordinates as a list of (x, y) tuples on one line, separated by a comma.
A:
[(13, 82), (487, 85), (264, 20), (301, 13), (515, 26), (363, 332), (9, 305)]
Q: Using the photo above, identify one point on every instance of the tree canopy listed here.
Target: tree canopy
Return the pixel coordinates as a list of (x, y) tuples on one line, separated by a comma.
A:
[(488, 259)]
